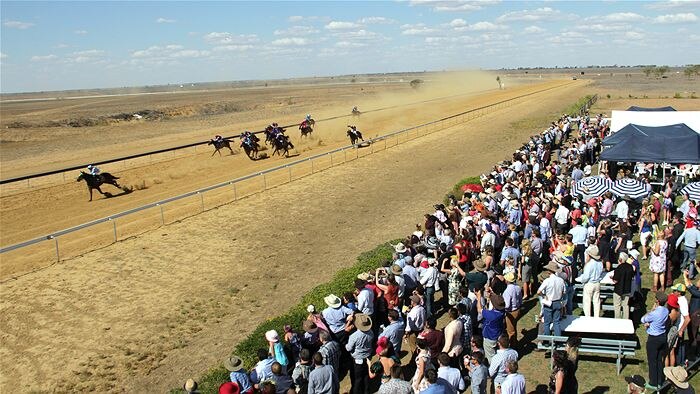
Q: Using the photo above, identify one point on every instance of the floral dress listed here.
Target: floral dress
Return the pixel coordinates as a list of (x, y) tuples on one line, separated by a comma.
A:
[(427, 364), (657, 262), (454, 281)]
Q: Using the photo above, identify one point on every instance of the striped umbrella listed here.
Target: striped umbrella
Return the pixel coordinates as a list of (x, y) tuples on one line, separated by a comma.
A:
[(592, 186), (692, 190), (630, 187)]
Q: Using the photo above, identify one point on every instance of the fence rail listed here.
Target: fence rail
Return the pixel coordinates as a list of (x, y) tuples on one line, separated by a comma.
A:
[(283, 174)]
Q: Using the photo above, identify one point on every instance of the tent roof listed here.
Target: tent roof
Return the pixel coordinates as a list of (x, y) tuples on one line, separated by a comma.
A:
[(633, 130), (621, 119), (643, 109), (656, 149)]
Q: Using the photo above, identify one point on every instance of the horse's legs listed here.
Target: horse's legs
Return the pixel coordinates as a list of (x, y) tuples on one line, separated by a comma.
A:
[(90, 191), (229, 148), (214, 153)]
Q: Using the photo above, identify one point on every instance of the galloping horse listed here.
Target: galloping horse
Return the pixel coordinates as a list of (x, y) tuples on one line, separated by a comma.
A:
[(282, 143), (271, 133), (307, 127), (251, 147), (354, 135), (356, 112), (95, 181), (220, 144)]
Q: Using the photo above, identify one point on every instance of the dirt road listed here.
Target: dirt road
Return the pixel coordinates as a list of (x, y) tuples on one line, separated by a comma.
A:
[(150, 311)]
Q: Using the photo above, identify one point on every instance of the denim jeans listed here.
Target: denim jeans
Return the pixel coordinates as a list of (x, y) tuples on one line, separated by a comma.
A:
[(570, 292), (688, 258), (429, 301), (552, 316)]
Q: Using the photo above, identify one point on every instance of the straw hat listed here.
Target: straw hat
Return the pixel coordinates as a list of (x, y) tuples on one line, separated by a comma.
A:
[(233, 363), (678, 376), (396, 269), (400, 248), (593, 252), (190, 386), (309, 326), (363, 322), (480, 265), (332, 300)]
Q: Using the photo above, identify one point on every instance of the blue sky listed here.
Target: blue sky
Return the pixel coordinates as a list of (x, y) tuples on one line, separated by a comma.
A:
[(93, 44)]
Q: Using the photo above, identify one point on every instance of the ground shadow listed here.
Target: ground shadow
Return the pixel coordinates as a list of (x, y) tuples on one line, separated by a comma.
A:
[(123, 192), (598, 390)]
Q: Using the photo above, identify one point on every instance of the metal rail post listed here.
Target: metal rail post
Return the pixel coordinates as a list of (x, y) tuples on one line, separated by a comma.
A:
[(114, 227), (235, 193), (201, 200), (289, 169), (58, 255), (264, 181), (162, 217)]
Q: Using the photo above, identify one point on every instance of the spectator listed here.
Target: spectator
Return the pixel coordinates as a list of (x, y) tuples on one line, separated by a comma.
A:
[(655, 324), (578, 237), (323, 379), (563, 378), (449, 374), (513, 298), (571, 349), (635, 384), (694, 310), (396, 385), (622, 278), (336, 315), (276, 350), (302, 370), (330, 350), (433, 338), (493, 320), (387, 359), (365, 297), (423, 364), (268, 387), (678, 377), (478, 373), (552, 291), (415, 322), (528, 268), (591, 277), (657, 262), (691, 239), (263, 369), (436, 385), (497, 368), (360, 348), (190, 386), (230, 388), (429, 280), (467, 326), (453, 334), (394, 331), (282, 382), (238, 375), (514, 382)]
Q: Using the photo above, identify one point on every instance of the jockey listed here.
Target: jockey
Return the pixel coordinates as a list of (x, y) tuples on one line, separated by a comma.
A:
[(218, 138), (354, 109), (93, 170), (308, 118), (357, 132)]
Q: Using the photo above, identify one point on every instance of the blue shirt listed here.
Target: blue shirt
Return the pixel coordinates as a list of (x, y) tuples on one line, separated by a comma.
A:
[(493, 323), (241, 378), (510, 251), (335, 317), (394, 332), (592, 272), (579, 235), (657, 320), (360, 344)]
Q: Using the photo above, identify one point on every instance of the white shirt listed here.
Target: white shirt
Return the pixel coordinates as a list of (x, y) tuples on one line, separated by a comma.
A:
[(452, 376), (562, 215), (365, 301), (429, 277), (683, 304), (622, 210)]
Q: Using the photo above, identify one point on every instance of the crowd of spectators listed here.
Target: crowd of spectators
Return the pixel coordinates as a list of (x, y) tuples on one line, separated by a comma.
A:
[(521, 237)]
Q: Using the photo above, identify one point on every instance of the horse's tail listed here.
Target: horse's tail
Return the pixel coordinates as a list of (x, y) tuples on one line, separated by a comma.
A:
[(107, 175)]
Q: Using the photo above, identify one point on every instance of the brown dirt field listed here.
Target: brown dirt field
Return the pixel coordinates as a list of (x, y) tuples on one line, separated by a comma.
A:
[(144, 313), (38, 212)]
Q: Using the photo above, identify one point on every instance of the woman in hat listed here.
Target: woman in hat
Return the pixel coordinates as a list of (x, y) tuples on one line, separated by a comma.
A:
[(657, 262)]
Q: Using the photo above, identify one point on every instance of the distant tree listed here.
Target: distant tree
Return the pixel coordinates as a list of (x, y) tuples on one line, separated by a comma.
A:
[(498, 79), (660, 71), (647, 71), (416, 83), (691, 70)]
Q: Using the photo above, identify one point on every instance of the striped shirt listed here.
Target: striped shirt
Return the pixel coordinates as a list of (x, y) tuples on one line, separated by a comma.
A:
[(497, 370), (331, 354)]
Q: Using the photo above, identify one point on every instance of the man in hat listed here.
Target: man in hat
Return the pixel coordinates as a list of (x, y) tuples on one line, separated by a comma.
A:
[(190, 386), (622, 278), (365, 297), (477, 278), (591, 277), (513, 298), (360, 348), (394, 331), (655, 323), (336, 315), (237, 374), (493, 321), (678, 376), (635, 384), (415, 322), (553, 290)]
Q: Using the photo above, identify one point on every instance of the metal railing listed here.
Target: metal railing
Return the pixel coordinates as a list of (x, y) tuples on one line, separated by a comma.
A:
[(241, 187)]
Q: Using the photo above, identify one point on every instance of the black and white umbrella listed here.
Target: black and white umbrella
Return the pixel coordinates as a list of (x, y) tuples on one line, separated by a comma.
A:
[(592, 186), (630, 187), (692, 190)]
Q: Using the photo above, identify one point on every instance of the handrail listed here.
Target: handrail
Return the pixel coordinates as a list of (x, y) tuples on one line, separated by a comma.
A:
[(249, 176)]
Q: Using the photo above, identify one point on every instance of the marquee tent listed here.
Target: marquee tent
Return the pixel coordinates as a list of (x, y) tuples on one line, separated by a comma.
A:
[(643, 109), (656, 149), (637, 131), (621, 119)]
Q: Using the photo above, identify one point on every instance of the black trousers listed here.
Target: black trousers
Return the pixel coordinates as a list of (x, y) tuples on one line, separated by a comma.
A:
[(579, 251), (656, 350), (359, 376)]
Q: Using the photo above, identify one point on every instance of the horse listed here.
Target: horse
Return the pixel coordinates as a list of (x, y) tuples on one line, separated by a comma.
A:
[(220, 144), (95, 181), (282, 143), (271, 133), (354, 135), (355, 113), (251, 148), (306, 127)]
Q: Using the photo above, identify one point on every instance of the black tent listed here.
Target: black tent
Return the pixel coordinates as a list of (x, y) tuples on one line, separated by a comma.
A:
[(635, 108), (637, 131), (656, 149)]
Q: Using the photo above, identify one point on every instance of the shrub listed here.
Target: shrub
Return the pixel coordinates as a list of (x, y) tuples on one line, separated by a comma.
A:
[(677, 95)]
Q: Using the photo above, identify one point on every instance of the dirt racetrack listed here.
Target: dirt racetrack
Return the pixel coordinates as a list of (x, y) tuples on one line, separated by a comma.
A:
[(37, 212), (146, 313)]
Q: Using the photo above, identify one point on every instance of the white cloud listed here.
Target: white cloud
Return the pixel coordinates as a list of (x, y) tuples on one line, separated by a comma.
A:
[(172, 51), (454, 5), (539, 14), (481, 26), (633, 35), (296, 31), (459, 22), (165, 20), (295, 18), (43, 58), (290, 41), (18, 25), (80, 32), (361, 34), (3, 56), (233, 48), (341, 25), (672, 4), (348, 44), (61, 46), (88, 56), (619, 17), (676, 18), (225, 38), (417, 30), (376, 20), (534, 30), (600, 27)]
